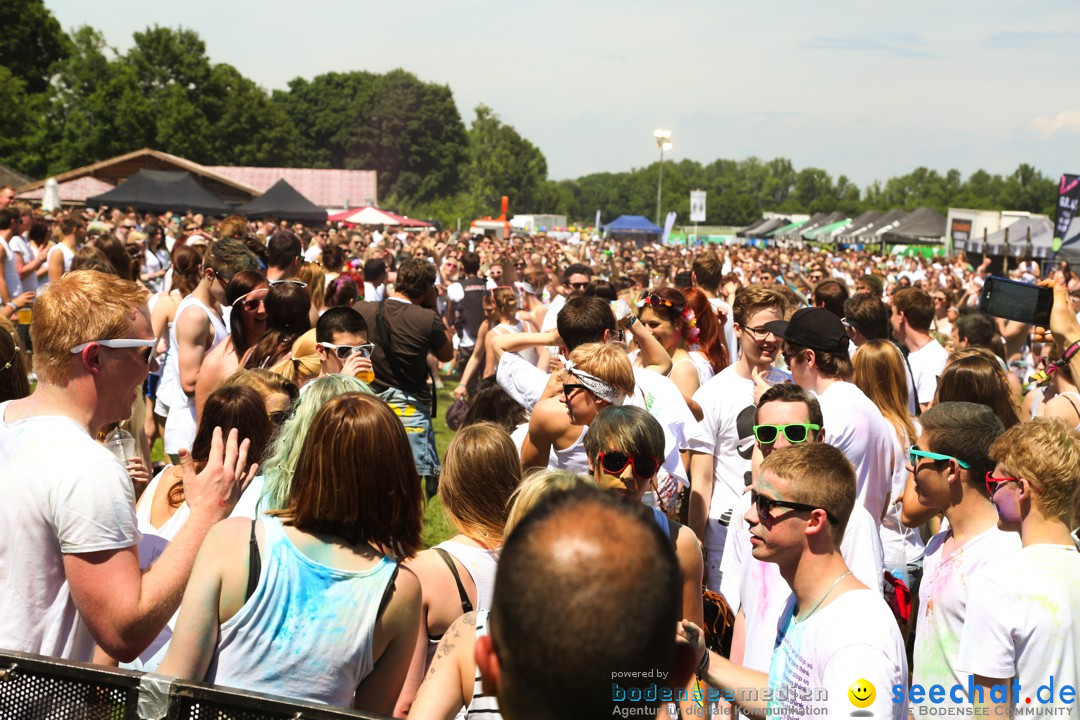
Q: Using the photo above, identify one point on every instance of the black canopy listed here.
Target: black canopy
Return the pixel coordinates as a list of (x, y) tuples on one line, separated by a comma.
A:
[(923, 226), (162, 190), (284, 202)]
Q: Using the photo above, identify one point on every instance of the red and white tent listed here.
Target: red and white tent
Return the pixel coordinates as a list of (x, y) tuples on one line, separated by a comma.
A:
[(375, 216)]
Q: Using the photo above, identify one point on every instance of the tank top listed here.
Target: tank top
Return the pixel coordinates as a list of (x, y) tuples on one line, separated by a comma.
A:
[(1074, 400), (482, 705), (530, 355), (307, 630), (68, 253), (171, 391), (572, 458), (480, 564), (702, 365)]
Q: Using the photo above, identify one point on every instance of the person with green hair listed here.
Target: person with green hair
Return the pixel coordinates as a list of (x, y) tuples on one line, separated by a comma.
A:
[(280, 462)]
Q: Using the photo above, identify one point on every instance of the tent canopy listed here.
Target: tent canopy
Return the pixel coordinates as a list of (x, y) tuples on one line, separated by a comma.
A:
[(868, 232), (375, 216), (825, 232), (925, 225), (285, 202), (767, 227), (787, 228), (162, 190), (632, 224), (1042, 239)]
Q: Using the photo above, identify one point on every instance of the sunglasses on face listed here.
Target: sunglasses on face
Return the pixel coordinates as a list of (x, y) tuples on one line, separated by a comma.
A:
[(765, 505), (614, 462), (251, 304), (344, 352), (757, 333), (915, 453), (149, 354), (993, 483), (569, 388), (795, 433), (579, 285), (278, 418)]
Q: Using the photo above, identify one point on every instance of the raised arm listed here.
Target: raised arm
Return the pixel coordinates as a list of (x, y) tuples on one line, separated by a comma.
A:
[(653, 354)]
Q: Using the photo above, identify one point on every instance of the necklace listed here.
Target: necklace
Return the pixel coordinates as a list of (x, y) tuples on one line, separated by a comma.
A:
[(827, 593)]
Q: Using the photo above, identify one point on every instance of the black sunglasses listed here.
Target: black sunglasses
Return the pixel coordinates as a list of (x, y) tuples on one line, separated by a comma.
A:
[(567, 389), (614, 462), (765, 505), (278, 418)]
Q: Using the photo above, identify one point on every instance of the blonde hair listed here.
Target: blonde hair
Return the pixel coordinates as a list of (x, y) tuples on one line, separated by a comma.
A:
[(81, 306), (537, 485), (819, 475), (264, 382), (1045, 451), (315, 276), (481, 471), (608, 362), (880, 374), (302, 364)]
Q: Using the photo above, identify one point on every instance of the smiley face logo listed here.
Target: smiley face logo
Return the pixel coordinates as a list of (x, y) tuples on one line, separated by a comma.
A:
[(862, 693)]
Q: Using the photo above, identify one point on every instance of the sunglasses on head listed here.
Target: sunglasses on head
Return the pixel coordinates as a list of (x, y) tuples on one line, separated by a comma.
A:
[(344, 352), (614, 462), (653, 300), (795, 432), (289, 281), (765, 505)]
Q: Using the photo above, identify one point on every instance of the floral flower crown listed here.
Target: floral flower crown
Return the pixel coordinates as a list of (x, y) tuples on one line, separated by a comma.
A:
[(693, 332)]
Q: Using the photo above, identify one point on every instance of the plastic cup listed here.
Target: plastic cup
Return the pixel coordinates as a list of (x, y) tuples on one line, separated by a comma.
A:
[(367, 376), (25, 315)]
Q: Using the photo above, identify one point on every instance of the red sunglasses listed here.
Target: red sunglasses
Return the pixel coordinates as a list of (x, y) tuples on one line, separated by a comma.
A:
[(992, 483), (614, 462)]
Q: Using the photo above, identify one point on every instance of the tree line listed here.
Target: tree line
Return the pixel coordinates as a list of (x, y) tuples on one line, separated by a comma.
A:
[(70, 100)]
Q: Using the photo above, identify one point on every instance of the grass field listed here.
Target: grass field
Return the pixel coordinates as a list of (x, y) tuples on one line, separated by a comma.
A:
[(436, 527)]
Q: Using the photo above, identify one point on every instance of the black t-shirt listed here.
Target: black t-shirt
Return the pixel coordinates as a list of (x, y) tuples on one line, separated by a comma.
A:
[(414, 332)]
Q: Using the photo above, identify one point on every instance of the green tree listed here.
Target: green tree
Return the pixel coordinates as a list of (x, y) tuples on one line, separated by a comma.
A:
[(32, 41), (501, 162)]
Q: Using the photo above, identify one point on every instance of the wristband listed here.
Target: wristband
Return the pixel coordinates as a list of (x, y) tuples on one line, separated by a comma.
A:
[(1042, 377), (13, 305), (703, 666), (633, 319)]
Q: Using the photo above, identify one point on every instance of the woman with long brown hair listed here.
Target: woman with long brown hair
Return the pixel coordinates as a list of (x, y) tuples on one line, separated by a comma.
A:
[(480, 473), (307, 602), (287, 308), (710, 355)]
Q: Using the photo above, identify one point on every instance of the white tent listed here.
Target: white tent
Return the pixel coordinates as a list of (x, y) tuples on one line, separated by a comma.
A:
[(1039, 230), (366, 216)]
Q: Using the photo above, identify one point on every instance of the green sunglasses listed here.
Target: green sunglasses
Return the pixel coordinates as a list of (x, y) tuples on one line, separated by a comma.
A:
[(795, 433), (915, 453)]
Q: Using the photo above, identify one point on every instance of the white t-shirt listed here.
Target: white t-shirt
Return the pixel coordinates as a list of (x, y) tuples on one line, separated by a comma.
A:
[(854, 424), (313, 253), (759, 589), (1023, 620), (927, 364), (855, 637), (22, 246), (54, 503), (943, 598), (11, 277), (727, 425), (551, 318)]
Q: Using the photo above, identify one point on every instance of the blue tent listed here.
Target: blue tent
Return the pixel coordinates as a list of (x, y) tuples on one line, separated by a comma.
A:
[(632, 224)]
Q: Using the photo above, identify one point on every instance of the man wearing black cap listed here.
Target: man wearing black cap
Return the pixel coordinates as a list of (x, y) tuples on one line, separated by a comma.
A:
[(816, 352)]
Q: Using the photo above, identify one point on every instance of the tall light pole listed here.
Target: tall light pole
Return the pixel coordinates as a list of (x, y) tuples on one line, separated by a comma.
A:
[(663, 141)]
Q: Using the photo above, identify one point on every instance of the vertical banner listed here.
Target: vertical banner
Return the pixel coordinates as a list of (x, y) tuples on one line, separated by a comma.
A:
[(697, 206), (597, 226), (1068, 199), (669, 223)]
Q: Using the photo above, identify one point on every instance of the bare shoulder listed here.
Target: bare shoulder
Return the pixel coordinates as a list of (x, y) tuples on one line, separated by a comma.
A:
[(686, 542)]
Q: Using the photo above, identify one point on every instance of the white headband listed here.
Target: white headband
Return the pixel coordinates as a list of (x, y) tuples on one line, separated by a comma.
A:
[(600, 388)]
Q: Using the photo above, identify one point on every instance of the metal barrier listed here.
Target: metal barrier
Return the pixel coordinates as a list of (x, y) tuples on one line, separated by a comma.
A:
[(40, 688)]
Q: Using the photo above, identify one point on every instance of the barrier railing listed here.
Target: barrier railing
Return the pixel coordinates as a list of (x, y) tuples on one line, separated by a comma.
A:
[(40, 688)]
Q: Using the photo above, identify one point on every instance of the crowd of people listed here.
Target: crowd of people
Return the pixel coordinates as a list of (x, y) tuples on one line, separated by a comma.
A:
[(684, 480)]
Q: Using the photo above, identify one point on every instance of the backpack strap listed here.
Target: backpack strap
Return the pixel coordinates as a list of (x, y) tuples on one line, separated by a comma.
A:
[(254, 564), (466, 604)]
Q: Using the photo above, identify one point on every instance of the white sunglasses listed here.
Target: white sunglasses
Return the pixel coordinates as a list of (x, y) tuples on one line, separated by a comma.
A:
[(120, 343)]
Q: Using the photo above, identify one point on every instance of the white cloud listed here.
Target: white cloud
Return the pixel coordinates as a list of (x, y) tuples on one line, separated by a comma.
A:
[(1066, 121)]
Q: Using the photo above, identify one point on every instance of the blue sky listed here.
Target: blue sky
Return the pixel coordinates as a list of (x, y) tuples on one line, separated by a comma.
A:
[(869, 90)]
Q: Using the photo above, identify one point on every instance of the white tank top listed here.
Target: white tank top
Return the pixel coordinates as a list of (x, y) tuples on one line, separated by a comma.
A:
[(480, 564), (307, 630), (530, 355), (572, 458), (171, 391), (67, 252)]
